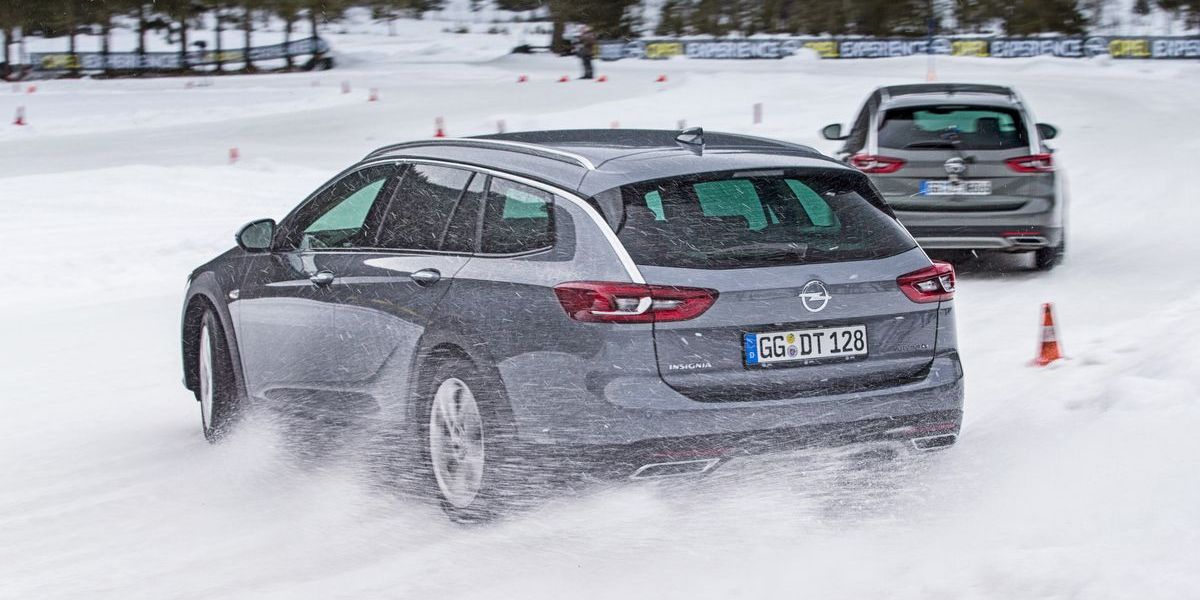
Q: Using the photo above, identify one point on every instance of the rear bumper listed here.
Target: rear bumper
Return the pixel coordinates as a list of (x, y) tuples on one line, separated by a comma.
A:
[(698, 455), (1007, 238), (635, 411)]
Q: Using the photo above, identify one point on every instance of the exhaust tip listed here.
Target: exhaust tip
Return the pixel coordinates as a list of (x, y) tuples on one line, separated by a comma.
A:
[(675, 469), (934, 442)]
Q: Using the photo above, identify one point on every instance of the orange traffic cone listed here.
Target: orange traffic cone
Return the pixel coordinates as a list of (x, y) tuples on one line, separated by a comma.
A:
[(373, 96), (439, 128), (1049, 350), (233, 155), (602, 79), (661, 78), (19, 120), (522, 79), (564, 79), (32, 89)]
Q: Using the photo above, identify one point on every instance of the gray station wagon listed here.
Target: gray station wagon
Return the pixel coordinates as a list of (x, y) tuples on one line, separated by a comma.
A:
[(964, 166), (619, 303)]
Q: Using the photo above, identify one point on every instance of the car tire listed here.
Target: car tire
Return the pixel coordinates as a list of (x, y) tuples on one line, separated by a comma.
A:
[(468, 444), (1045, 259), (216, 390)]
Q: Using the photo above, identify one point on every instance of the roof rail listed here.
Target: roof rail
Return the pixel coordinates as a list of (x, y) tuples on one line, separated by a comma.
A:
[(519, 147), (947, 88)]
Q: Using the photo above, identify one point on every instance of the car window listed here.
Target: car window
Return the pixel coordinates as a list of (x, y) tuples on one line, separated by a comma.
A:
[(463, 229), (942, 127), (516, 218), (338, 217), (774, 219), (420, 211)]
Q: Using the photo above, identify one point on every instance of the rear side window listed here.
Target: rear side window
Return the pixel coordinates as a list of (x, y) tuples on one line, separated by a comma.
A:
[(516, 218), (420, 211), (947, 126), (769, 219)]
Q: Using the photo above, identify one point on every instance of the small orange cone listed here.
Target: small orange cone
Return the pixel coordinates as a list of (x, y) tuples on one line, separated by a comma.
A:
[(522, 79), (233, 155), (1049, 350), (373, 96), (602, 79), (661, 78), (439, 128), (31, 89), (564, 79), (19, 120)]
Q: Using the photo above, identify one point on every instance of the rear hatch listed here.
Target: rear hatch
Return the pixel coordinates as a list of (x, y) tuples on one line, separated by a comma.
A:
[(954, 158), (804, 264)]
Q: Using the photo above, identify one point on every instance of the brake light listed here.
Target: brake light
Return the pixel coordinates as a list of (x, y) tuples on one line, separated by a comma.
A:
[(1034, 163), (932, 284), (610, 302), (874, 163)]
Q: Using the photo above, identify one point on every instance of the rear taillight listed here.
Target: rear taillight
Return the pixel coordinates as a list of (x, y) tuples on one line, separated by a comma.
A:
[(1034, 163), (932, 284), (610, 302), (874, 163)]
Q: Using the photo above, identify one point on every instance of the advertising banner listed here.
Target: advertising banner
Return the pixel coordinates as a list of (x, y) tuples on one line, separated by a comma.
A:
[(1150, 47), (168, 61)]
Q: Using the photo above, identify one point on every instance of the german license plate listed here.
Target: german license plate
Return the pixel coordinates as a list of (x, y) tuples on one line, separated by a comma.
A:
[(805, 344), (973, 187)]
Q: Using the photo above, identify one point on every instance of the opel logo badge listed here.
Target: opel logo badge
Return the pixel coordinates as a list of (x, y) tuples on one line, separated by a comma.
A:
[(814, 295)]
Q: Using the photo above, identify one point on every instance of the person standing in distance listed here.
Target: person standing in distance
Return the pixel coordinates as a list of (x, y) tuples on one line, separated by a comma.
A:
[(585, 49)]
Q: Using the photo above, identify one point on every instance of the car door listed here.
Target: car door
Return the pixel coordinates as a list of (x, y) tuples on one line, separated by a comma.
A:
[(386, 292), (287, 337)]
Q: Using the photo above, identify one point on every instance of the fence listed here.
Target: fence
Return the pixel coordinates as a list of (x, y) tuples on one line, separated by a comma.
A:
[(168, 61), (1153, 47)]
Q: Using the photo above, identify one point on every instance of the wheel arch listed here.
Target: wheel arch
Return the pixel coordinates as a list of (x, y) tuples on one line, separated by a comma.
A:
[(436, 350), (203, 296)]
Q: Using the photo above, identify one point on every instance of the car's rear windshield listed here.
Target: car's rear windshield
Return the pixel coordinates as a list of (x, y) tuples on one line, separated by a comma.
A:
[(757, 219), (948, 126)]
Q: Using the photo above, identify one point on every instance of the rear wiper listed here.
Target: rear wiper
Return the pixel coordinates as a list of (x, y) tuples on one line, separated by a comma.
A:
[(931, 144), (759, 251)]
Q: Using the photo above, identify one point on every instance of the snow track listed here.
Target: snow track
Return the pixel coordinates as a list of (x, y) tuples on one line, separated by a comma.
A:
[(1075, 481)]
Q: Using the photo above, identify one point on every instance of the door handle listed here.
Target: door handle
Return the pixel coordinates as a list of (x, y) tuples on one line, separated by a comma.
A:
[(322, 278), (426, 277)]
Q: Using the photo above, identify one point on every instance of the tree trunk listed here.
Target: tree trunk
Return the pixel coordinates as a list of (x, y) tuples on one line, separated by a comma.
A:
[(105, 33), (248, 30), (141, 49), (312, 19), (71, 27), (558, 44), (219, 60), (8, 38), (183, 44), (287, 39)]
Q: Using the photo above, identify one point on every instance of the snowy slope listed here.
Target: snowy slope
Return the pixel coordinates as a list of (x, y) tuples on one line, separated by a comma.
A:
[(1077, 481)]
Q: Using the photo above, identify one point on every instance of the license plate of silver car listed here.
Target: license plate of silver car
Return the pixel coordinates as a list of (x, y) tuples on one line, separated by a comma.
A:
[(972, 187)]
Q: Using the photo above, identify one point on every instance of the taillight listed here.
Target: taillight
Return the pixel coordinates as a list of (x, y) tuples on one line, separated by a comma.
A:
[(610, 302), (932, 284), (1034, 163), (874, 163)]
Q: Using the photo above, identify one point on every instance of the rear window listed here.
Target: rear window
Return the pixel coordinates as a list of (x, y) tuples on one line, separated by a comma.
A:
[(968, 127), (764, 219)]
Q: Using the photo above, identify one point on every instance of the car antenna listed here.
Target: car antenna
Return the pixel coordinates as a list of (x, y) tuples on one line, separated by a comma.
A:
[(692, 139)]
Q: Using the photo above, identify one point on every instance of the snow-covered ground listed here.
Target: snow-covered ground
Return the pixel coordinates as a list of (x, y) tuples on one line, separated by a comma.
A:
[(1077, 481)]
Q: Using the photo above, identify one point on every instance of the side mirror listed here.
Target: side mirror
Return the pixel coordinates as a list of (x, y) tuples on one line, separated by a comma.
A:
[(1047, 131), (256, 236), (833, 132)]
